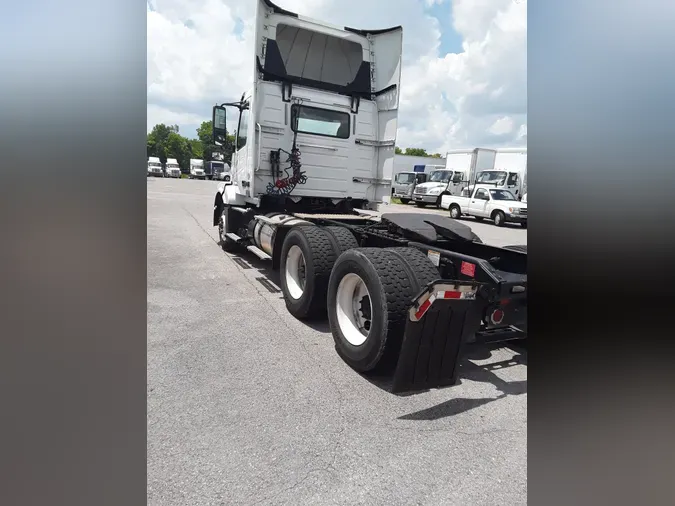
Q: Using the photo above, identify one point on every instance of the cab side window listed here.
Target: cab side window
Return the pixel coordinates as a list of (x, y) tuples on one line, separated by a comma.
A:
[(513, 179), (242, 129), (481, 194)]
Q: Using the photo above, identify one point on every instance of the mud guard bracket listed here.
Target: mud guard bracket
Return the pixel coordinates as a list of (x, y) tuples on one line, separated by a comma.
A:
[(440, 321)]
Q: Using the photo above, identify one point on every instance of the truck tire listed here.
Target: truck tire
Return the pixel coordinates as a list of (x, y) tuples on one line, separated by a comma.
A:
[(420, 267), (226, 243), (405, 202), (342, 239), (421, 204), (455, 212), (307, 257), (369, 295), (499, 218)]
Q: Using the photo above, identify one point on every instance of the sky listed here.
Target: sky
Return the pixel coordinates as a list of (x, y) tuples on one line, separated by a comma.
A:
[(463, 81)]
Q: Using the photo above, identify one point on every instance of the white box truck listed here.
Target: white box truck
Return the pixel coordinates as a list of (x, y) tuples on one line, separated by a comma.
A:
[(313, 157), (509, 172), (197, 169)]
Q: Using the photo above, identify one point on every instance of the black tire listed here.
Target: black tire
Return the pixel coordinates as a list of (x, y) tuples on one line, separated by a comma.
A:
[(421, 268), (226, 243), (421, 204), (455, 208), (405, 201), (393, 279), (523, 224), (341, 238), (319, 256), (499, 218)]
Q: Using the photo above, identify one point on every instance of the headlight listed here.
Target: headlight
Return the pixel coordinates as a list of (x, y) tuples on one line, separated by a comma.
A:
[(435, 191), (513, 210)]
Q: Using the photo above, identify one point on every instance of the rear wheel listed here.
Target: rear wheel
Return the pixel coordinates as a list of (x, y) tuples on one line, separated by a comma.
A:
[(369, 294), (307, 257), (499, 218), (455, 212)]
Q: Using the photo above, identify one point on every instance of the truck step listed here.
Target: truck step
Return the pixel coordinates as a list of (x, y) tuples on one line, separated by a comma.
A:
[(233, 236), (241, 210), (259, 253)]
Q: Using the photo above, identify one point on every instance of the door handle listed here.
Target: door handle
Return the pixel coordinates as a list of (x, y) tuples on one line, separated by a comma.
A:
[(259, 128)]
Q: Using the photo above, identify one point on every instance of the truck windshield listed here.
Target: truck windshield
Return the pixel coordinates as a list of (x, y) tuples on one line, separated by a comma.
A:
[(491, 177), (172, 166), (441, 176), (502, 195), (154, 164), (405, 178)]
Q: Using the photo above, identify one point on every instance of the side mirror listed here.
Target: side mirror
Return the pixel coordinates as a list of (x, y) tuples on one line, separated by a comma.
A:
[(219, 123)]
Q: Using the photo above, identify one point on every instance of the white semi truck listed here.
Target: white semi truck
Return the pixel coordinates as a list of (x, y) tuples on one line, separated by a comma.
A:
[(155, 167), (172, 169), (197, 169), (312, 160)]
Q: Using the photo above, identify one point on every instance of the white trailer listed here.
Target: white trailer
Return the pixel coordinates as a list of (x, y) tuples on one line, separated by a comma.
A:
[(313, 157)]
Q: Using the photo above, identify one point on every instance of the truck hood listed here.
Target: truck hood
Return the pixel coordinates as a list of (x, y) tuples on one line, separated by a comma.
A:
[(510, 203), (429, 185)]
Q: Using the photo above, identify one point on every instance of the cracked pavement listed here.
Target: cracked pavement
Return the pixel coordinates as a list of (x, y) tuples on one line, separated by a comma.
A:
[(247, 405)]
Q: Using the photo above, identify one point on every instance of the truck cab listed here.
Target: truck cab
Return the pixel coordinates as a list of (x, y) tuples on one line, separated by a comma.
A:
[(441, 182), (485, 201), (172, 169), (404, 184), (197, 169), (502, 179), (318, 127), (155, 167)]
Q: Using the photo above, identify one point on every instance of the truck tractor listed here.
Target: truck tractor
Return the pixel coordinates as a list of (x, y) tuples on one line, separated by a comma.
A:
[(404, 293)]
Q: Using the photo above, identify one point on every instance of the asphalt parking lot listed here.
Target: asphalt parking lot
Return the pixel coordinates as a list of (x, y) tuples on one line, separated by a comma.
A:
[(247, 405)]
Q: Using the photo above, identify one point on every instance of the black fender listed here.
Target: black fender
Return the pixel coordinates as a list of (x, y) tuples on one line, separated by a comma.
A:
[(218, 206)]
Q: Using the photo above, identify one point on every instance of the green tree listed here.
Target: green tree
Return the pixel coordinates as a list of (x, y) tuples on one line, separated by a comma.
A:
[(177, 147), (157, 141), (205, 134), (416, 152), (437, 155), (397, 150)]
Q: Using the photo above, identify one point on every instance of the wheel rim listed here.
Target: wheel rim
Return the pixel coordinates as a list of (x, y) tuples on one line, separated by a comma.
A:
[(498, 218), (454, 212), (354, 309), (295, 272), (221, 228)]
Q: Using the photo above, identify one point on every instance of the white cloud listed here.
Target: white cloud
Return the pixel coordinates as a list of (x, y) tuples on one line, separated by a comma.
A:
[(200, 53)]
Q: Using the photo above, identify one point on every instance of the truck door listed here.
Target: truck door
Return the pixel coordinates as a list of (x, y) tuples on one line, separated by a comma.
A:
[(478, 203), (513, 183)]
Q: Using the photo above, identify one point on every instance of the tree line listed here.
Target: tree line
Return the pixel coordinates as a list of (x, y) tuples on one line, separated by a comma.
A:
[(165, 141)]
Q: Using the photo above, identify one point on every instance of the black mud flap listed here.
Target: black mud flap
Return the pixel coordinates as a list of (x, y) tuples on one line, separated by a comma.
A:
[(440, 322)]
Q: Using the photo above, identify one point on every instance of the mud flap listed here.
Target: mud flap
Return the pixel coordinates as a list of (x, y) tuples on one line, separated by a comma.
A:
[(440, 322)]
